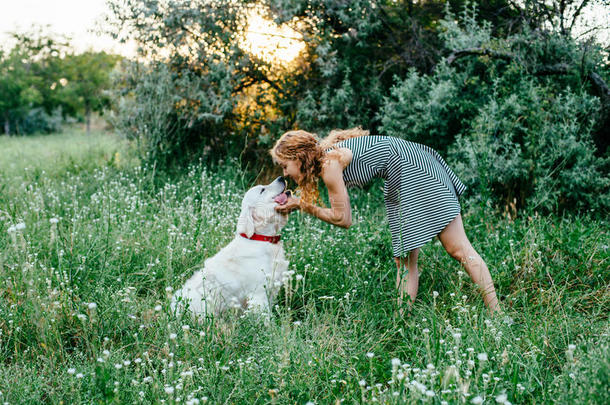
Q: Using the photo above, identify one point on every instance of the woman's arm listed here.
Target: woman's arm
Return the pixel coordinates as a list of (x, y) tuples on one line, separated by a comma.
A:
[(340, 212)]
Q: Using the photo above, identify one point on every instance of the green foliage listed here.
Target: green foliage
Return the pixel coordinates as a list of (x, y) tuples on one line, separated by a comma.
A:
[(170, 114), (355, 49), (40, 81), (352, 51), (37, 120), (465, 31), (17, 88), (423, 108), (87, 82), (333, 107), (484, 87), (203, 85), (519, 151), (146, 114), (517, 122)]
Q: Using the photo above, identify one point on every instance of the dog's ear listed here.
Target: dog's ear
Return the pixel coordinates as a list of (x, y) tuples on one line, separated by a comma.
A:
[(245, 223)]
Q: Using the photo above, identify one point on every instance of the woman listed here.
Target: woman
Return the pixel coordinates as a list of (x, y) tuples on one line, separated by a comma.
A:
[(420, 193)]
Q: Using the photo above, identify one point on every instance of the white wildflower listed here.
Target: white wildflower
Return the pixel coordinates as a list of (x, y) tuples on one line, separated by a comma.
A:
[(501, 399)]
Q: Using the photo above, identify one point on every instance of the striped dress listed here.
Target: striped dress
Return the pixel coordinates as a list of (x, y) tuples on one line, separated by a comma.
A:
[(420, 192)]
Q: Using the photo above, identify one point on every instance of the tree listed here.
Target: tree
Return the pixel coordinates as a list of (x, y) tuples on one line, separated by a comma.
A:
[(196, 45), (39, 77), (85, 82), (18, 86), (223, 97)]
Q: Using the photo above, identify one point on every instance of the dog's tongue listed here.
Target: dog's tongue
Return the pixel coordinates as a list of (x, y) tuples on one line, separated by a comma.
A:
[(281, 199)]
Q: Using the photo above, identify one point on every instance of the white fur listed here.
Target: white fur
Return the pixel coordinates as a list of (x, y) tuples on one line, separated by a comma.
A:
[(246, 273)]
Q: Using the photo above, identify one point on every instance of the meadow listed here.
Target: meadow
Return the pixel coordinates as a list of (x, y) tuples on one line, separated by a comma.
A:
[(92, 245)]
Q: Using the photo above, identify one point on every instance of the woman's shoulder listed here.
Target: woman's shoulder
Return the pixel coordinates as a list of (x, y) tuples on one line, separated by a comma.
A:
[(343, 156)]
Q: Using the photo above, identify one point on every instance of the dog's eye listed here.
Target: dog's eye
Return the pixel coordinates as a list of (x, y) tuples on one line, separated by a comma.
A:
[(262, 189)]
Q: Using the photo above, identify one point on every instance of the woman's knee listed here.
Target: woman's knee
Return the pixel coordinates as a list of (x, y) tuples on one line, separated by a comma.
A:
[(459, 250)]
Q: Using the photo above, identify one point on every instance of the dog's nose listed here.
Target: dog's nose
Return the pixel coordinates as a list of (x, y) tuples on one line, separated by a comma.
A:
[(281, 180)]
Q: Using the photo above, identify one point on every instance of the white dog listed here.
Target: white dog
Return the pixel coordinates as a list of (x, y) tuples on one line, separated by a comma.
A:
[(247, 273)]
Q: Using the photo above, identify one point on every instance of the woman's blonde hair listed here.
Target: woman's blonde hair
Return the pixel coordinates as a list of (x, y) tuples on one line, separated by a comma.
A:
[(309, 151)]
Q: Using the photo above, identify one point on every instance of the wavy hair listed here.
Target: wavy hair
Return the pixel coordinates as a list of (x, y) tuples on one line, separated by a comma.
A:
[(310, 152)]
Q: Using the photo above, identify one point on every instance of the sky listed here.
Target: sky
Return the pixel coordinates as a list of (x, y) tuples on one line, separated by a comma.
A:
[(76, 18)]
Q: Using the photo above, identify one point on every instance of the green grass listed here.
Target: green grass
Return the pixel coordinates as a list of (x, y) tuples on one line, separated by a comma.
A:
[(122, 242)]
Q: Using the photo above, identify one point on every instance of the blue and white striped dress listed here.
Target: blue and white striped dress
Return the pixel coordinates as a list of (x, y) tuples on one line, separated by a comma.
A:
[(420, 192)]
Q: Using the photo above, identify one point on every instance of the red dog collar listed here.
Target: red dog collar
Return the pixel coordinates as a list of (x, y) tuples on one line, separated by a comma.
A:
[(263, 238)]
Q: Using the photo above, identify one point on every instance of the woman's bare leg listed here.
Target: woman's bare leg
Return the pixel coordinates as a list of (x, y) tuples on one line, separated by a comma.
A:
[(407, 281), (456, 243)]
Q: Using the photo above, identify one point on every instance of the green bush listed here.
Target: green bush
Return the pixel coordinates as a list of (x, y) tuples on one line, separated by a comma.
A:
[(534, 149), (330, 108), (421, 108), (37, 121), (517, 119), (172, 116)]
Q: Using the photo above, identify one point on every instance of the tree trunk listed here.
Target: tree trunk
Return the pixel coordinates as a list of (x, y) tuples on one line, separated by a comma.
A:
[(88, 119), (7, 126)]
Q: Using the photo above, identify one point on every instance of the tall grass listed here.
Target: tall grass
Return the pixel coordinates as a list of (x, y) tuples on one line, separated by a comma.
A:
[(91, 248)]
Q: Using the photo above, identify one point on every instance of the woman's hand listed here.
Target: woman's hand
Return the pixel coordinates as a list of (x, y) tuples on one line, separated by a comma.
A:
[(292, 204)]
